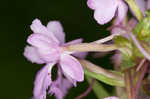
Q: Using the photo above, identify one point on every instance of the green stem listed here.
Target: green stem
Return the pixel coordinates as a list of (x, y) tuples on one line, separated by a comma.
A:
[(92, 47), (129, 85), (135, 9)]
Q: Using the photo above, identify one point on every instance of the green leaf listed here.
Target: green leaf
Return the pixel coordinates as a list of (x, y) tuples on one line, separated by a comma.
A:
[(124, 45), (105, 79), (146, 46), (127, 62), (98, 89), (122, 41), (126, 48), (142, 29), (137, 53), (147, 13)]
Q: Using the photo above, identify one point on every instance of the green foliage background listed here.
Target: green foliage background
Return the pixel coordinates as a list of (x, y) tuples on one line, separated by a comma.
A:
[(16, 73)]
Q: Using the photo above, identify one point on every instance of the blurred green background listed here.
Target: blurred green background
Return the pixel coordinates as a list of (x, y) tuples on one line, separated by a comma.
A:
[(16, 73)]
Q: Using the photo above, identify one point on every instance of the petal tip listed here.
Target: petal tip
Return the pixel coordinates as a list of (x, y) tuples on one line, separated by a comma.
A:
[(90, 4), (30, 38), (36, 21)]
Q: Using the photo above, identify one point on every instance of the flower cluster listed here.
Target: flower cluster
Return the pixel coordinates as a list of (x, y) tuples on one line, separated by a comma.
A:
[(130, 37)]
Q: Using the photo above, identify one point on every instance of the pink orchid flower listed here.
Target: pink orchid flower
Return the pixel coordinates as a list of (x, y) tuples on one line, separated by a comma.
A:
[(46, 47), (105, 10)]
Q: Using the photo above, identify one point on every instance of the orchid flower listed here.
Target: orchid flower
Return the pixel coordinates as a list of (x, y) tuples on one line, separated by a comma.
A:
[(46, 47), (105, 10)]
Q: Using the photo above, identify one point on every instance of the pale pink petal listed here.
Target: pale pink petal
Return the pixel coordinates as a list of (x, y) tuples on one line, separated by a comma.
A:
[(42, 81), (122, 12), (92, 4), (66, 85), (104, 9), (58, 93), (74, 82), (60, 87), (37, 27), (71, 67), (48, 50), (49, 55), (56, 28), (113, 97), (32, 55), (142, 5), (39, 40), (73, 42)]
